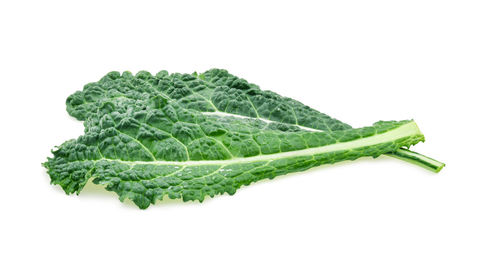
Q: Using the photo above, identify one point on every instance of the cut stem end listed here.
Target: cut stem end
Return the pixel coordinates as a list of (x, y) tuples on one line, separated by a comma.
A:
[(417, 159)]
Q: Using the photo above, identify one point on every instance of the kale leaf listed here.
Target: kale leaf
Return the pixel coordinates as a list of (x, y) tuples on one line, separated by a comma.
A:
[(195, 135)]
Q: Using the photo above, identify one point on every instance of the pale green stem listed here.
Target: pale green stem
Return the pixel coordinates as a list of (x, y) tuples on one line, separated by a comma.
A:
[(417, 159)]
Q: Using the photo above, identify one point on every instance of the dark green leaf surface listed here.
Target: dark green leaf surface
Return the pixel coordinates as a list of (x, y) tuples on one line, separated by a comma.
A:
[(190, 136)]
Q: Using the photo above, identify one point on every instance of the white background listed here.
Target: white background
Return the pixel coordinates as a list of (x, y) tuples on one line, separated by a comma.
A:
[(434, 61)]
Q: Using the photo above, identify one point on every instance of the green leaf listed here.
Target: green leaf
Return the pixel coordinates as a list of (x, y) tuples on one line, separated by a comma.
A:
[(189, 136)]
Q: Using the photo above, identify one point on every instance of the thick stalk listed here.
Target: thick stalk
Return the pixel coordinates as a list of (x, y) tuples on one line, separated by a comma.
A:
[(417, 159)]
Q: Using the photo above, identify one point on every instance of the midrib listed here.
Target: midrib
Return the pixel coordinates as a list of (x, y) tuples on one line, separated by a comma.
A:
[(407, 130), (225, 114)]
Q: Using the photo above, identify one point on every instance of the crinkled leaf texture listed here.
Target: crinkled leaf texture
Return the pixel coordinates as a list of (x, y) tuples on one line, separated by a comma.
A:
[(195, 135)]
